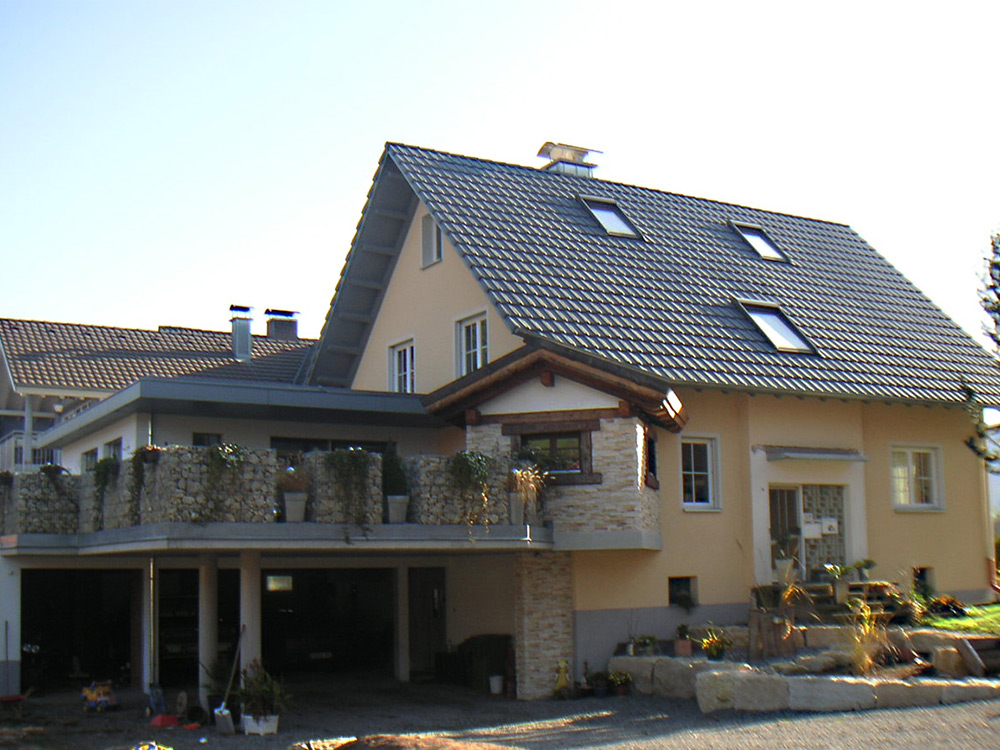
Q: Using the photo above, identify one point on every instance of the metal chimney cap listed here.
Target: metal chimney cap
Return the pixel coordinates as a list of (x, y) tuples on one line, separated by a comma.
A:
[(565, 152), (281, 313), (241, 309)]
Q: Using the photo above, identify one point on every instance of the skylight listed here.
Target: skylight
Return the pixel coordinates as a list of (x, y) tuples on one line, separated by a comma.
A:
[(610, 217), (776, 327), (759, 241)]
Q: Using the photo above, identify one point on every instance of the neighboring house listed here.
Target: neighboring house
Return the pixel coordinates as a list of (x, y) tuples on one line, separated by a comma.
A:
[(707, 384)]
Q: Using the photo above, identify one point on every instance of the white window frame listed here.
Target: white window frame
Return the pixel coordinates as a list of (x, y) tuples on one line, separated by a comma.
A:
[(618, 224), (431, 241), (114, 449), (712, 443), (764, 315), (760, 241), (479, 354), (403, 380), (936, 478)]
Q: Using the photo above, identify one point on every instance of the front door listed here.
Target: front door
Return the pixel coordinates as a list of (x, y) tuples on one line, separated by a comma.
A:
[(428, 636), (786, 529)]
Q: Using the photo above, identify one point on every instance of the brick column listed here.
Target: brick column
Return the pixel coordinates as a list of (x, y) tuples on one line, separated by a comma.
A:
[(543, 615)]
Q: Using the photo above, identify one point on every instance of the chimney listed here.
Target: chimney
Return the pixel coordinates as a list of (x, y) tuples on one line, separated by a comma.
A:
[(242, 340), (566, 159), (282, 325)]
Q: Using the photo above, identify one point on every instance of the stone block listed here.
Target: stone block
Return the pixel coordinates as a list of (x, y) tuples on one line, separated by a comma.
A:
[(830, 694), (899, 694), (948, 662), (641, 669), (789, 668), (674, 678), (970, 690), (825, 636), (926, 640), (715, 690), (818, 663), (755, 691)]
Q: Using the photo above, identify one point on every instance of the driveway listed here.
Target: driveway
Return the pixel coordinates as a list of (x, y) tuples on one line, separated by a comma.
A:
[(358, 708)]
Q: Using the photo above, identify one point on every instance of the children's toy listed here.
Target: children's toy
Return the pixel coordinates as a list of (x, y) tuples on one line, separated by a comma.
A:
[(99, 696)]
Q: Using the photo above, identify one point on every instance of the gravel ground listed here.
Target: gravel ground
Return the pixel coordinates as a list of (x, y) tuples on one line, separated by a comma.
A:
[(631, 723)]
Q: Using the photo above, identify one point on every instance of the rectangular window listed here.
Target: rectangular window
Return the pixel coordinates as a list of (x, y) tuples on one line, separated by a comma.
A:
[(756, 238), (649, 458), (472, 344), (205, 439), (776, 327), (698, 473), (432, 241), (914, 478), (555, 451), (88, 460), (113, 450), (403, 368), (610, 217), (682, 592)]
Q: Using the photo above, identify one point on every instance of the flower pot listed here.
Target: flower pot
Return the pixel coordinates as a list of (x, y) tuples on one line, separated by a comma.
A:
[(396, 507), (783, 567), (841, 590), (295, 507), (516, 509), (260, 724), (683, 647), (714, 655), (621, 689)]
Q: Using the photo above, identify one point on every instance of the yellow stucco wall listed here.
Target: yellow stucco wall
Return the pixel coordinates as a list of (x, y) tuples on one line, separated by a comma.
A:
[(425, 305)]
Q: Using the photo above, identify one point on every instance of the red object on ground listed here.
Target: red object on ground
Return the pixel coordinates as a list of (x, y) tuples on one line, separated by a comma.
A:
[(164, 720)]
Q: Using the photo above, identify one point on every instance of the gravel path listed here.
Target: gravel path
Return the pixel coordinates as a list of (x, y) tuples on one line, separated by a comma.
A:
[(632, 723)]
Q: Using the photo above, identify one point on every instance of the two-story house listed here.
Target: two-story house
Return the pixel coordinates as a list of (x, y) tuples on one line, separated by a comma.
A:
[(711, 387)]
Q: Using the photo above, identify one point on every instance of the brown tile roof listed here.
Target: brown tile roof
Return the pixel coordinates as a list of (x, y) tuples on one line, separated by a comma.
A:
[(75, 356)]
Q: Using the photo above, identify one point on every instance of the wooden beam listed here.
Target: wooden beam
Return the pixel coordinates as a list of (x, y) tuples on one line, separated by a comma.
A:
[(473, 417), (547, 378)]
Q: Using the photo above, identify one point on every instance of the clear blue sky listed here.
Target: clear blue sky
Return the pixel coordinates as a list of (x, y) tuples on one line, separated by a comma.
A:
[(161, 160)]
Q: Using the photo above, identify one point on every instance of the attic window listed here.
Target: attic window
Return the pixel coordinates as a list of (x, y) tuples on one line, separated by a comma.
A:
[(611, 217), (759, 241), (776, 327)]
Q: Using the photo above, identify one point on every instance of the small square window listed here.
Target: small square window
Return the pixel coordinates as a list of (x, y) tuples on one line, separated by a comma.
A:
[(699, 475), (473, 348), (88, 460), (611, 217), (776, 327), (432, 241), (113, 450), (402, 363), (682, 592), (760, 242)]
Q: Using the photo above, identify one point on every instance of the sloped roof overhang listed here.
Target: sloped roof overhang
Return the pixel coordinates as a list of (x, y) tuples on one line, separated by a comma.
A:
[(241, 400), (650, 396)]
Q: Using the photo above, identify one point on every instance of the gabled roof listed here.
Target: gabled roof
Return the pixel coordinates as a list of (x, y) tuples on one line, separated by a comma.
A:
[(666, 301), (51, 357)]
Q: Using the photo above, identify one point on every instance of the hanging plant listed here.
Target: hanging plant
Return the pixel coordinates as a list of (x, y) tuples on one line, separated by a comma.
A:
[(52, 471), (350, 469), (220, 459), (470, 475), (105, 472), (393, 473), (146, 454), (527, 482)]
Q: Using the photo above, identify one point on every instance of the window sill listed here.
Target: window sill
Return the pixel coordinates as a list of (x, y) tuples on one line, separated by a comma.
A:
[(918, 509), (557, 479), (692, 508)]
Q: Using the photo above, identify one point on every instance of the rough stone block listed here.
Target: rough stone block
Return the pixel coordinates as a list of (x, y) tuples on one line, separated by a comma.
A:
[(789, 668), (674, 678), (926, 640), (641, 669), (756, 691), (949, 662), (715, 690), (830, 694), (970, 690), (899, 694), (825, 636), (818, 663)]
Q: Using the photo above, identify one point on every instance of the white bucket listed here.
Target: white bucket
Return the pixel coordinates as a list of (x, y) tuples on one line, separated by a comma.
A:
[(496, 684)]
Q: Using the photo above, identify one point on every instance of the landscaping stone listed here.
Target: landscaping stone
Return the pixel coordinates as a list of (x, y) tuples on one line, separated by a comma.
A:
[(789, 668), (826, 636), (899, 694), (925, 640), (830, 694), (970, 690), (641, 669), (818, 663), (949, 662), (715, 690), (760, 692)]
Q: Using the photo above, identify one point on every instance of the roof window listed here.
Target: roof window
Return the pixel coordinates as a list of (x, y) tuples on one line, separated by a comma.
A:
[(776, 327), (611, 217), (756, 238)]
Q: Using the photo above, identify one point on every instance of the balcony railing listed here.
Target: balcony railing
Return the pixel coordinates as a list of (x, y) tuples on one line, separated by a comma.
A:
[(12, 454)]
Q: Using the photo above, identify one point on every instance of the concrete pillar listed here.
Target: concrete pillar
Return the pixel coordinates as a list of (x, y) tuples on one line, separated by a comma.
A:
[(543, 620), (402, 667), (28, 441), (150, 626), (760, 513), (10, 623), (208, 624), (250, 607)]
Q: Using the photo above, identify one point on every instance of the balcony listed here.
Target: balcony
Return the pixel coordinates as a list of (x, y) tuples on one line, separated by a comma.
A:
[(12, 455)]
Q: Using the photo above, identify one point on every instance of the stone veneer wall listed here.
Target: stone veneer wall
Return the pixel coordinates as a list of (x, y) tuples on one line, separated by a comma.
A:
[(622, 501), (6, 496), (39, 505), (433, 499), (324, 505), (543, 617)]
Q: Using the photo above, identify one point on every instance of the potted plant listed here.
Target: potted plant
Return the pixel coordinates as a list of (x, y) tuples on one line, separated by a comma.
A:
[(682, 641), (599, 682), (526, 483), (646, 645), (293, 485), (470, 473), (786, 552), (620, 682), (841, 586), (394, 486), (262, 698), (714, 644), (863, 566)]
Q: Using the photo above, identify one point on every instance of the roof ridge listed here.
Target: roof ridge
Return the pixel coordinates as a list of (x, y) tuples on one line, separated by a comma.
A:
[(629, 185)]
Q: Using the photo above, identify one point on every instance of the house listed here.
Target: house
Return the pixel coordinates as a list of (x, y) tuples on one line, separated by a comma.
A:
[(709, 386)]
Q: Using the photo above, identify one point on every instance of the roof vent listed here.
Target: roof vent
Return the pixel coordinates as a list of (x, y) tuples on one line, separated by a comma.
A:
[(242, 340), (282, 325), (566, 159)]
